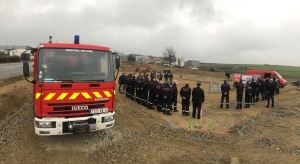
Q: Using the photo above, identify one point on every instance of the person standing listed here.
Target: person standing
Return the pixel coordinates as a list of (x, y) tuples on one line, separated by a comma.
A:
[(159, 76), (166, 76), (197, 99), (121, 82), (158, 96), (225, 88), (185, 94), (263, 89), (258, 84), (167, 98), (145, 90), (267, 87), (254, 87), (138, 86), (171, 77), (239, 94), (151, 89), (270, 93), (248, 95), (175, 94)]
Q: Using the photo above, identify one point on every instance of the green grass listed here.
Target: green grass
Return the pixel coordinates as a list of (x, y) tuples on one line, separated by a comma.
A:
[(285, 71)]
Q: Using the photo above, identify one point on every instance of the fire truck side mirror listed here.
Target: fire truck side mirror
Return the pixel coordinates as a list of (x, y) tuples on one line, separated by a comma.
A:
[(117, 57), (117, 63), (25, 56), (26, 69)]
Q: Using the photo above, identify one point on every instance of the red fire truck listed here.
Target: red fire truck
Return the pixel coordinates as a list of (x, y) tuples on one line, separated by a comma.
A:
[(73, 87)]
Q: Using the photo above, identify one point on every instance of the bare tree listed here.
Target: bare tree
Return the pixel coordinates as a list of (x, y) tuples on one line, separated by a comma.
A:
[(169, 55)]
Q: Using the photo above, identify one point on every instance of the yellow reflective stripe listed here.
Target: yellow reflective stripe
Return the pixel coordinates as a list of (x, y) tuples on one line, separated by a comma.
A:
[(62, 96), (86, 95), (74, 95), (49, 96), (97, 94), (114, 92), (37, 95), (107, 93)]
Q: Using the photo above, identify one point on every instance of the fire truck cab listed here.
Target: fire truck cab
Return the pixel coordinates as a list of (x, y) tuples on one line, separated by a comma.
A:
[(73, 87)]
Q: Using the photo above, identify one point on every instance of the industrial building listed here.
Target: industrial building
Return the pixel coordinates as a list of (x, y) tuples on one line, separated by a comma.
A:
[(194, 63), (181, 61)]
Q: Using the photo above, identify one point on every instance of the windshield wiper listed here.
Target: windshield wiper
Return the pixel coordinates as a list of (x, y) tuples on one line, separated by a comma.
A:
[(92, 80), (64, 80)]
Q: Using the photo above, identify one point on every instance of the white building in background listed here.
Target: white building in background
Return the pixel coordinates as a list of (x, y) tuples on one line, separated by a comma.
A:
[(18, 52), (181, 61)]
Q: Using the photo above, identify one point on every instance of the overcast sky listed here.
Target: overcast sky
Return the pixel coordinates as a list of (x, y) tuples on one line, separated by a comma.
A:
[(219, 31)]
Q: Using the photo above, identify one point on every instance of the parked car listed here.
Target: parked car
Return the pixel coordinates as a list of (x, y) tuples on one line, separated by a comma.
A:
[(194, 68), (213, 70), (296, 83)]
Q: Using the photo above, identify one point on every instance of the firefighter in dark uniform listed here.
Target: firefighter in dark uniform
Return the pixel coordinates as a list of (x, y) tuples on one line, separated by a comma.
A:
[(254, 87), (151, 88), (155, 98), (258, 84), (138, 86), (225, 88), (126, 85), (270, 92), (128, 88), (132, 86), (185, 94), (263, 89), (198, 98), (145, 90), (248, 95), (158, 95), (175, 94), (167, 96), (239, 94), (142, 89)]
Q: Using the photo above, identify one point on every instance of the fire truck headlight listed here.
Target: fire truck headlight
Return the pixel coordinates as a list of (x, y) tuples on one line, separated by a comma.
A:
[(43, 124), (107, 119)]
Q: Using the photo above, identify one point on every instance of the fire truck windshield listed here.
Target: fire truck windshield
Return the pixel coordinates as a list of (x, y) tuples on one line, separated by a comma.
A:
[(73, 65)]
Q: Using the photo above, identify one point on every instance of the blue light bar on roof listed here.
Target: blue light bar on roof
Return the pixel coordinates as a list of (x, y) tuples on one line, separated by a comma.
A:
[(76, 39)]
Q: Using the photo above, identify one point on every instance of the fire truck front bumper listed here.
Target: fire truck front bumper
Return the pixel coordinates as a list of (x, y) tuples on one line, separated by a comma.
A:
[(63, 126)]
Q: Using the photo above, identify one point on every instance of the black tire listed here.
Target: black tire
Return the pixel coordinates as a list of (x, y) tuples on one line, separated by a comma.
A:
[(293, 84)]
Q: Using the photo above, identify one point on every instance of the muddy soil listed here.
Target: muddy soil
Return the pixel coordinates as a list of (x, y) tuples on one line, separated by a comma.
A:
[(251, 135)]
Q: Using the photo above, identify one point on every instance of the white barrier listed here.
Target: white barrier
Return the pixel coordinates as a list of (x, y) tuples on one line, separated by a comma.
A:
[(214, 87)]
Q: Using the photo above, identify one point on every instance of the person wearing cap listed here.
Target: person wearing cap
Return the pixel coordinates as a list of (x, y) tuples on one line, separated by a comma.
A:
[(239, 94), (225, 88), (198, 98), (185, 94), (175, 94)]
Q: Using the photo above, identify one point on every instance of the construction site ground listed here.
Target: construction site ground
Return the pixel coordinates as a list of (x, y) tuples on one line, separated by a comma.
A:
[(251, 135)]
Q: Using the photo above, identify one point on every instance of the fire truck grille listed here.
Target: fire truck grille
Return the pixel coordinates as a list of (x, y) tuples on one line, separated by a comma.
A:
[(70, 107)]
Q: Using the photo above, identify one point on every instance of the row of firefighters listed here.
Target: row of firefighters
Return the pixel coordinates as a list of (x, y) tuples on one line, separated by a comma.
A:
[(264, 87), (150, 91)]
